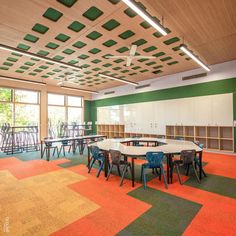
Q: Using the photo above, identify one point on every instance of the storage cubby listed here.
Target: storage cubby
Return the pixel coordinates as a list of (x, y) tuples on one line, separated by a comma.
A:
[(226, 145), (170, 130), (179, 131), (189, 131), (213, 143), (202, 141), (226, 133), (213, 131), (189, 139), (200, 131)]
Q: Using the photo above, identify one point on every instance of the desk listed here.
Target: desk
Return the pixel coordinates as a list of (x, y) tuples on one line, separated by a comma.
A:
[(79, 139), (170, 147)]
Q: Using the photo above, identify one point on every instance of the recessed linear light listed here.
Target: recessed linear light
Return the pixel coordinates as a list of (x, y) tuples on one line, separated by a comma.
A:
[(80, 90), (22, 80), (30, 54), (114, 78), (190, 54), (145, 16)]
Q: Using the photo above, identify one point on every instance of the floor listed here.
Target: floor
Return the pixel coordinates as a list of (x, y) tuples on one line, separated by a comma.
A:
[(60, 198)]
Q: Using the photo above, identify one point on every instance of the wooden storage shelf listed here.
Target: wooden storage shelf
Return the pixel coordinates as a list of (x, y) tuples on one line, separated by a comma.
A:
[(200, 131), (213, 131), (226, 145), (226, 132), (179, 131), (213, 143), (170, 130), (189, 131)]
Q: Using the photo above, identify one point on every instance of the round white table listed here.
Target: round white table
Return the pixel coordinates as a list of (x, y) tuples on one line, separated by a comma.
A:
[(169, 147)]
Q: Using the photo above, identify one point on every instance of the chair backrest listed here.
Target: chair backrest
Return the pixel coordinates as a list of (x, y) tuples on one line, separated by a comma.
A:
[(154, 159), (179, 138), (94, 151), (115, 156), (187, 156), (201, 145)]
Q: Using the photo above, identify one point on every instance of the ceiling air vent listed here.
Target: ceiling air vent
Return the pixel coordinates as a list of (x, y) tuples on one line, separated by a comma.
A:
[(110, 92), (194, 76), (142, 86)]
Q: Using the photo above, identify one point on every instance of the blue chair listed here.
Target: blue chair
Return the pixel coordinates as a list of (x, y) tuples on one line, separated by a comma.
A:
[(154, 161), (96, 156)]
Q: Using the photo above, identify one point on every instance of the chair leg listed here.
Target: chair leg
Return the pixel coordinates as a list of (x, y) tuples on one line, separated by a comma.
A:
[(109, 172), (187, 172), (54, 149), (177, 168), (123, 175), (69, 148), (64, 150), (144, 179), (91, 165), (43, 152), (197, 164), (118, 168), (60, 150), (100, 169), (164, 175), (195, 171), (141, 176), (57, 152)]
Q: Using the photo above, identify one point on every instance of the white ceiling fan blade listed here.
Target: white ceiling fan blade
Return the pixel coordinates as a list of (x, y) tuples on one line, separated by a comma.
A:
[(133, 50), (148, 57), (108, 57), (129, 60)]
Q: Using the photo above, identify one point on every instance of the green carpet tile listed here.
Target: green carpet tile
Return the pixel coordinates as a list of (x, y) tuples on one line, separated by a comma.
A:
[(169, 215), (216, 184)]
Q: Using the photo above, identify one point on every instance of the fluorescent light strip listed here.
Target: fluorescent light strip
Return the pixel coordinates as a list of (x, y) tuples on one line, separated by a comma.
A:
[(30, 54), (145, 16), (114, 78), (81, 90), (22, 80), (190, 54)]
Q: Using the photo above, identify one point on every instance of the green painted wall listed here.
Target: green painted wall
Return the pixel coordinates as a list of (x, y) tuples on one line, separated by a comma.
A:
[(234, 104), (87, 110), (203, 89)]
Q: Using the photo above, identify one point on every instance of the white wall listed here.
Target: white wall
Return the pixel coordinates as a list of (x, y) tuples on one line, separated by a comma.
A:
[(218, 72)]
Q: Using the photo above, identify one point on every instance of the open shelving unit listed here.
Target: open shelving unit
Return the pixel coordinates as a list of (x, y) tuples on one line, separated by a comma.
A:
[(212, 137)]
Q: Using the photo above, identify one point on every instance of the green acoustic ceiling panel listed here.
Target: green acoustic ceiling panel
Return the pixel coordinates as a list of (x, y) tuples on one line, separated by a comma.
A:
[(123, 49), (62, 37), (42, 53), (118, 60), (127, 34), (172, 63), (8, 64), (68, 51), (93, 13), (58, 58), (94, 35), (67, 3), (114, 1), (149, 49), (52, 14), (176, 48), (111, 24), (24, 67), (129, 12), (157, 72), (94, 50), (79, 44), (52, 45), (42, 29), (76, 26), (83, 56), (172, 40), (4, 68), (44, 67), (166, 58), (110, 43), (159, 54), (23, 47), (96, 61), (158, 67), (31, 38), (145, 25), (140, 42)]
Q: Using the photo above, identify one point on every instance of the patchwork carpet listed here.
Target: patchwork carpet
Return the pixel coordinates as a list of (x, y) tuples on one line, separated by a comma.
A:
[(59, 197)]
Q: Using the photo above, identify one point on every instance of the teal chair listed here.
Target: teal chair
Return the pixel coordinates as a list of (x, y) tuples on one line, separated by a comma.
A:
[(96, 156), (154, 161)]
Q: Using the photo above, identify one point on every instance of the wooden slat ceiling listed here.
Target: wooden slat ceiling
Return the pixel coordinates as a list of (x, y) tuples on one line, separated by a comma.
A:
[(82, 32)]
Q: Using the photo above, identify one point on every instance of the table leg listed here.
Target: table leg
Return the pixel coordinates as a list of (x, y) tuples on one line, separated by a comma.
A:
[(200, 165), (106, 154), (168, 167), (41, 149), (88, 157), (132, 170), (48, 153), (73, 146)]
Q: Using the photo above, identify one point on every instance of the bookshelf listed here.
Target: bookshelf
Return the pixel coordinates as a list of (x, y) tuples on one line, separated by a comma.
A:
[(213, 137)]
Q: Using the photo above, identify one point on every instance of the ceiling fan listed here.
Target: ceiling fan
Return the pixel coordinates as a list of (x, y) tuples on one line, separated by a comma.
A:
[(131, 55)]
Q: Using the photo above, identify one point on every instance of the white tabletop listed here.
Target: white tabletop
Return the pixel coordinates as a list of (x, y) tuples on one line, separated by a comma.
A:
[(170, 146)]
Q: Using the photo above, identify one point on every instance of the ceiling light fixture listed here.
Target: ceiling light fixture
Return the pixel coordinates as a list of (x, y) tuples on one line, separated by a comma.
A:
[(22, 80), (80, 90), (118, 79), (30, 54), (145, 16), (190, 54)]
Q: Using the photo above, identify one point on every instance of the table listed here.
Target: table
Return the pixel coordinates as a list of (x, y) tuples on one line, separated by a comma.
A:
[(170, 148), (79, 139)]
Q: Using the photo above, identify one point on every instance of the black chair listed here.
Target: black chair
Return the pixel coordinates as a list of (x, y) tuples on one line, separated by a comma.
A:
[(65, 143), (48, 146), (197, 161), (116, 161), (187, 159)]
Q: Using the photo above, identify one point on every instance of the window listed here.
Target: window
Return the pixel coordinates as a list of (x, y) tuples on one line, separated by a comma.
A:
[(61, 109), (19, 107)]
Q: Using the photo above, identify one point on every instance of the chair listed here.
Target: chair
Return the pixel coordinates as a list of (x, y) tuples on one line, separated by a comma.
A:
[(65, 143), (154, 161), (48, 147), (96, 156), (197, 162), (116, 161), (187, 158)]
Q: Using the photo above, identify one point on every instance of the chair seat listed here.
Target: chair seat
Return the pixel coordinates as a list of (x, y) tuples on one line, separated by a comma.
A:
[(147, 165)]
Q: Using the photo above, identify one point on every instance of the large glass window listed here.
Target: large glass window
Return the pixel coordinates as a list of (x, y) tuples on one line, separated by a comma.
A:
[(19, 107), (63, 109)]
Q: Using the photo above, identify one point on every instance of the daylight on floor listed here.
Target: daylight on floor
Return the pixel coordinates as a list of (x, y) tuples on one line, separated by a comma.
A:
[(117, 117)]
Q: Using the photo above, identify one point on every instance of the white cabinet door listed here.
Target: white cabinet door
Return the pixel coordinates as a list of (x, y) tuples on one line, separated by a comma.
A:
[(160, 117), (203, 110), (222, 110), (186, 111)]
